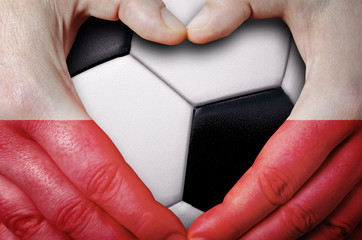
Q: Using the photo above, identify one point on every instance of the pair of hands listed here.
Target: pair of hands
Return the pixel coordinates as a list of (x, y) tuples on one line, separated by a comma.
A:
[(65, 179)]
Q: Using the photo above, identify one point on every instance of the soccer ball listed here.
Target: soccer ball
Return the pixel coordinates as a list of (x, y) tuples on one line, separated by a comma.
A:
[(189, 119)]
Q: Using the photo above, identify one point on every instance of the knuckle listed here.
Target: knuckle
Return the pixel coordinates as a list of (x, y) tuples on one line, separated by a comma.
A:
[(276, 186), (337, 229), (102, 183), (24, 225), (72, 217), (298, 219)]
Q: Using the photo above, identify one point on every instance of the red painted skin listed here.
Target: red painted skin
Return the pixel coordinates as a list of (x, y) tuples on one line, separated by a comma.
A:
[(343, 215), (79, 182), (21, 216), (304, 163), (6, 234)]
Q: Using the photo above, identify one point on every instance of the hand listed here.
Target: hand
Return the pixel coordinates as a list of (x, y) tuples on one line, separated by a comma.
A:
[(65, 179), (307, 178)]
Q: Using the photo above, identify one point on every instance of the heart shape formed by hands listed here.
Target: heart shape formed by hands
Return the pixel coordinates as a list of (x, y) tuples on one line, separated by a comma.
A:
[(47, 183)]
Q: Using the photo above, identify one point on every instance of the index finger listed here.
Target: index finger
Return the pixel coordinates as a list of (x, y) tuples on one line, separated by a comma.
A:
[(286, 162), (219, 18), (148, 18), (93, 164)]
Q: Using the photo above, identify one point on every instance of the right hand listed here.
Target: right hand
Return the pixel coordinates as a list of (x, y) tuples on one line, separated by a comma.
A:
[(306, 181), (65, 179)]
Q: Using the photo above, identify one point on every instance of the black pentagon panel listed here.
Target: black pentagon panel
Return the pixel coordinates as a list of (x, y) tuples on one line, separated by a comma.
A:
[(225, 139), (98, 41)]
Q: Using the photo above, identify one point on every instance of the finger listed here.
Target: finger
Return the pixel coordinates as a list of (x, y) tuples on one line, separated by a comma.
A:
[(343, 221), (20, 215), (148, 18), (285, 163), (90, 160), (27, 165), (219, 18), (357, 233), (5, 233), (332, 182)]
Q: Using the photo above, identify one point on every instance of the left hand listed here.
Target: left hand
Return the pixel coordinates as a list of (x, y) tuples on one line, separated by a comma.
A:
[(307, 178), (61, 177)]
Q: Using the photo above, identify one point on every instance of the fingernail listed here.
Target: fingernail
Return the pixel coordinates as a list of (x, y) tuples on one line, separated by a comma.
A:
[(170, 20), (201, 18)]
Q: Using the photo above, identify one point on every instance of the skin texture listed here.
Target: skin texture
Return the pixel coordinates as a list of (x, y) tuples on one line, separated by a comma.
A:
[(65, 179), (288, 192), (307, 177), (74, 183)]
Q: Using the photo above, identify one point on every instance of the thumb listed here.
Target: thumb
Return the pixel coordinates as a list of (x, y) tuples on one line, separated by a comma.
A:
[(219, 18), (148, 18)]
